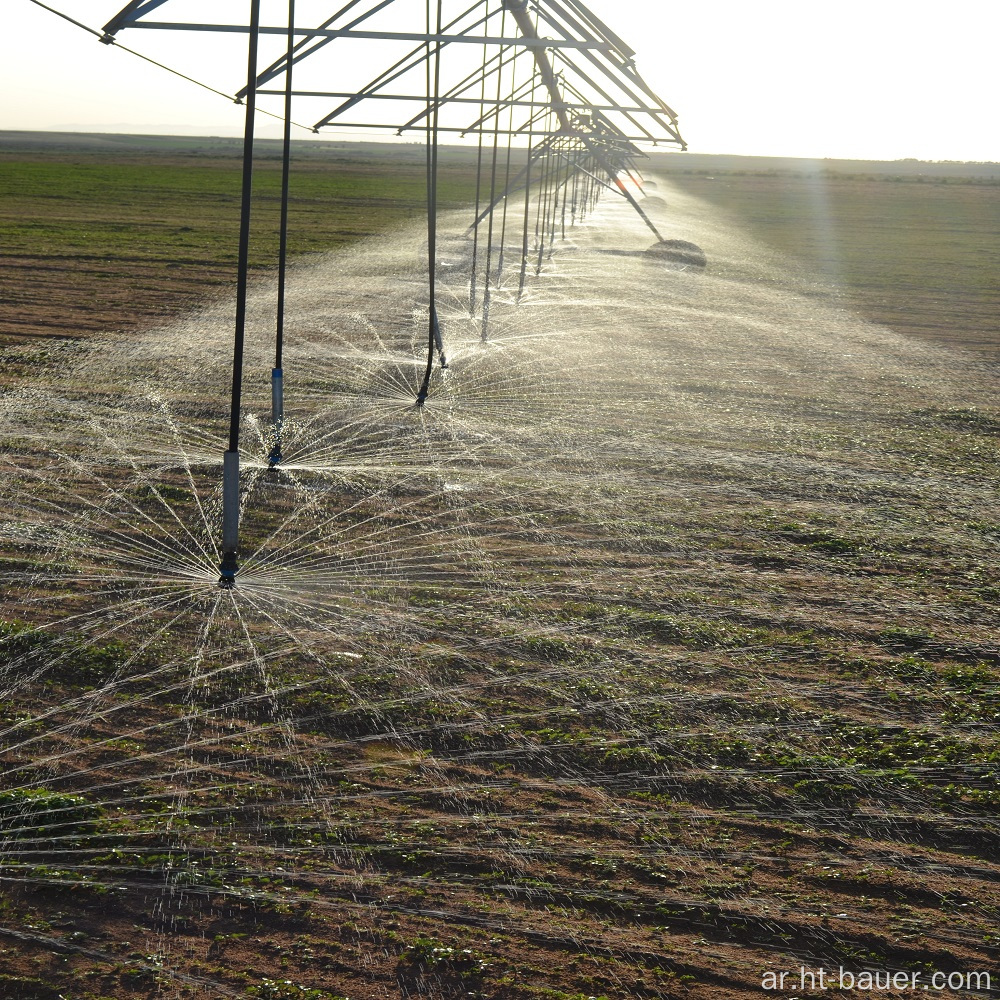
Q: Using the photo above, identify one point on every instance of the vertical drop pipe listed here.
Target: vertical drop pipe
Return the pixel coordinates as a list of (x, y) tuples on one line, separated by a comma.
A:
[(231, 460), (506, 179), (541, 216), (434, 103), (484, 334), (576, 186), (479, 176), (527, 193), (277, 375)]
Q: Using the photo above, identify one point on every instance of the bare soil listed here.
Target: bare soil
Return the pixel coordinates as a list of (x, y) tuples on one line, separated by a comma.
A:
[(713, 734)]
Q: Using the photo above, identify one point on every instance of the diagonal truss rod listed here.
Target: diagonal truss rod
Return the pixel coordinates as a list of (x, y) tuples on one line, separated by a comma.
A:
[(493, 67), (303, 48), (412, 59), (592, 56), (513, 100)]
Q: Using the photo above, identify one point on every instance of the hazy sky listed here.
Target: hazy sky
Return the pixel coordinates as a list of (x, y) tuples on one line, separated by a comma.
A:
[(870, 79)]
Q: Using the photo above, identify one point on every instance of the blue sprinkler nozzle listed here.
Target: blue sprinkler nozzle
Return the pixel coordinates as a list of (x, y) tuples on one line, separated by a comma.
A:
[(227, 571)]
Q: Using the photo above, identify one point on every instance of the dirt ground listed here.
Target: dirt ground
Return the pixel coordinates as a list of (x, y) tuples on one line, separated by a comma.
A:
[(727, 706), (113, 233), (911, 245)]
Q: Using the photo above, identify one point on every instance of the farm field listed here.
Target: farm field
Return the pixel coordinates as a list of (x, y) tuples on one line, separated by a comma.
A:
[(911, 245), (655, 656), (116, 234)]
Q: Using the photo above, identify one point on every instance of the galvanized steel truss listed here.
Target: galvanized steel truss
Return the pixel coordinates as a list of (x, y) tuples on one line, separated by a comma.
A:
[(546, 74)]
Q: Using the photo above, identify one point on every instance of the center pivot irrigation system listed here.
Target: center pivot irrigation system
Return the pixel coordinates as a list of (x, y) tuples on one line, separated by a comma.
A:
[(544, 77)]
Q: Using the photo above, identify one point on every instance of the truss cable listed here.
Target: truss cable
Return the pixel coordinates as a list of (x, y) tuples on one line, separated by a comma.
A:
[(434, 341), (231, 459), (277, 374), (66, 17), (111, 40)]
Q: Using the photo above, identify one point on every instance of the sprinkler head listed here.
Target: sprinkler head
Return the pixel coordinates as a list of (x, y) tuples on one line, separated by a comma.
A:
[(227, 571), (275, 457)]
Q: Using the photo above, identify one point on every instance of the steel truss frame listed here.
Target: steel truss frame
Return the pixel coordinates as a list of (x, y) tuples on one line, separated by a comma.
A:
[(578, 103)]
